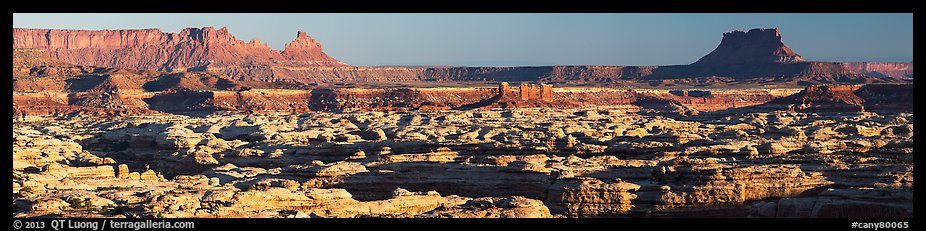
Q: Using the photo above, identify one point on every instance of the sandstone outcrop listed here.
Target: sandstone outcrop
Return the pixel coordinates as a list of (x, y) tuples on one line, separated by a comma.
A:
[(753, 46), (756, 56), (896, 70), (512, 162), (217, 127), (194, 49), (882, 98)]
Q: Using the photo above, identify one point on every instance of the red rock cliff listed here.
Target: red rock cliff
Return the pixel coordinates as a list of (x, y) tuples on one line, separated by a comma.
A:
[(152, 49), (898, 70), (754, 46)]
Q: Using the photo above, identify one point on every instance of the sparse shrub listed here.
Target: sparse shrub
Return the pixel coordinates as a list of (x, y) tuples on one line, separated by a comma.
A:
[(81, 204)]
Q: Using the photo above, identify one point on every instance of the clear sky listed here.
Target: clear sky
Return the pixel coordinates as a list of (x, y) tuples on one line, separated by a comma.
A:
[(529, 39)]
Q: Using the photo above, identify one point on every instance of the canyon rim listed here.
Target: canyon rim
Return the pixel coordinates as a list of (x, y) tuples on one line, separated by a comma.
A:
[(142, 123)]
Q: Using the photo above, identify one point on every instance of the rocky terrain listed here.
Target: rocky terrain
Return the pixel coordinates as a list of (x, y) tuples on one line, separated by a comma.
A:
[(142, 123), (522, 162), (754, 56), (754, 46), (43, 85), (152, 49), (119, 92), (899, 70)]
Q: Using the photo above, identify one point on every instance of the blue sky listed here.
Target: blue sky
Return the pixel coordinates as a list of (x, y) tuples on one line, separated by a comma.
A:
[(529, 39)]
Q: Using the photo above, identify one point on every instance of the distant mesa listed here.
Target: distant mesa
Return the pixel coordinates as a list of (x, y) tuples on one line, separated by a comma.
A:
[(754, 56), (895, 70), (757, 46), (151, 49), (109, 72)]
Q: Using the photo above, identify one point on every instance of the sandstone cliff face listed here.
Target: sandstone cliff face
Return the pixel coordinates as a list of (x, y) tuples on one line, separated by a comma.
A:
[(758, 55), (899, 70), (32, 58), (584, 152), (325, 74), (880, 98), (559, 74), (754, 46), (306, 51), (152, 49)]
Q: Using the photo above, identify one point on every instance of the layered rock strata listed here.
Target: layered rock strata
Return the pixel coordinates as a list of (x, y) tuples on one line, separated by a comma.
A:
[(516, 162), (756, 56)]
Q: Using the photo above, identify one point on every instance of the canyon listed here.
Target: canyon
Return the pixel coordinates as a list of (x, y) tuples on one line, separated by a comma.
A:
[(148, 124), (519, 162)]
